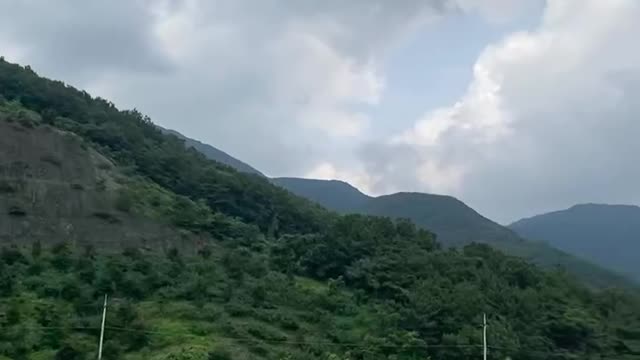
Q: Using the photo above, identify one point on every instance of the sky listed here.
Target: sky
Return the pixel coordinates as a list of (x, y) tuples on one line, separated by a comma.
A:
[(517, 107)]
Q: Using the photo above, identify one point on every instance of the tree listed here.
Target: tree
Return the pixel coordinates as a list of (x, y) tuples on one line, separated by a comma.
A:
[(68, 353), (36, 249)]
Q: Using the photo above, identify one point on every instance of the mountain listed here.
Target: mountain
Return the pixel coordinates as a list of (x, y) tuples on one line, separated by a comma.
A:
[(214, 154), (450, 219), (196, 260), (332, 194), (607, 235), (454, 223)]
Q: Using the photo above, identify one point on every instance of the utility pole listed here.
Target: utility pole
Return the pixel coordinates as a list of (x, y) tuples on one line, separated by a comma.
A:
[(104, 318), (484, 336)]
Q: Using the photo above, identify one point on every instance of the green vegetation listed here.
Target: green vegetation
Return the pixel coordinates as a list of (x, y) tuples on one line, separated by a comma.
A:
[(364, 289), (455, 224), (272, 276)]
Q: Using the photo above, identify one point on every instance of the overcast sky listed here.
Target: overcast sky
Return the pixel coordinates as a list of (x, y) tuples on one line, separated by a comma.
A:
[(514, 106)]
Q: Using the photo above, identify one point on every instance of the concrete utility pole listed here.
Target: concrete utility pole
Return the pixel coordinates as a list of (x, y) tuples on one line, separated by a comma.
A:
[(484, 337), (104, 318)]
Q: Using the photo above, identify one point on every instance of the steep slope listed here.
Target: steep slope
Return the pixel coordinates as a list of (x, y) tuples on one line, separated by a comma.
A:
[(454, 223), (132, 140), (54, 188), (607, 235), (214, 154), (274, 276)]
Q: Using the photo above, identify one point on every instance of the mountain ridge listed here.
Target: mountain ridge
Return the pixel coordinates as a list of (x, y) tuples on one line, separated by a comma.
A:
[(606, 234), (455, 224), (336, 195)]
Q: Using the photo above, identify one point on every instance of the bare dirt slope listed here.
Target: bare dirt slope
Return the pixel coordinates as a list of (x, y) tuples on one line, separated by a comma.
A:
[(53, 188)]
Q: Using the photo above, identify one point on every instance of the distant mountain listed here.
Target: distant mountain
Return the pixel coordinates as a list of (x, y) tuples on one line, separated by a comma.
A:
[(454, 223), (215, 154), (607, 235), (332, 194)]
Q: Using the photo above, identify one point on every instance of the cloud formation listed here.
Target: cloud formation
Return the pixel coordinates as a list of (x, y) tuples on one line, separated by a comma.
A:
[(280, 84), (76, 39), (549, 119)]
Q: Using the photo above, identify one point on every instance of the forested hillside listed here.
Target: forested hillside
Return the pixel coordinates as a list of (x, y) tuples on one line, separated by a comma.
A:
[(247, 270), (454, 223), (608, 235)]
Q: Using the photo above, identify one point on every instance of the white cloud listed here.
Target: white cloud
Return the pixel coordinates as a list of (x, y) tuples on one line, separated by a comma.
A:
[(549, 119)]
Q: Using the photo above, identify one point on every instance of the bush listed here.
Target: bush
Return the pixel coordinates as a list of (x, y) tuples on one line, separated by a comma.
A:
[(108, 217), (219, 354), (17, 211), (104, 166), (287, 322), (6, 187), (68, 353), (50, 159), (264, 333), (211, 313), (124, 201), (239, 310)]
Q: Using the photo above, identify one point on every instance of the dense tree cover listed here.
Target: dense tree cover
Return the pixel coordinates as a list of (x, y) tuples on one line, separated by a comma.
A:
[(278, 277), (456, 224), (380, 290), (133, 141)]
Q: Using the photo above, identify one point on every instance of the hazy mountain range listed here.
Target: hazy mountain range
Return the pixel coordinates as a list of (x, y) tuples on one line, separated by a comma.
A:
[(453, 222), (607, 235)]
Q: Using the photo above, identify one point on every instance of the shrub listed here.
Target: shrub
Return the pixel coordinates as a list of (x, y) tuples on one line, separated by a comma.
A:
[(104, 166), (51, 160), (6, 187), (220, 353), (124, 201), (108, 217), (17, 211)]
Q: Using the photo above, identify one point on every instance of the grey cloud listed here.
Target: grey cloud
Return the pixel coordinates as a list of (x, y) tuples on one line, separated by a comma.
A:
[(77, 39), (550, 119), (246, 76)]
